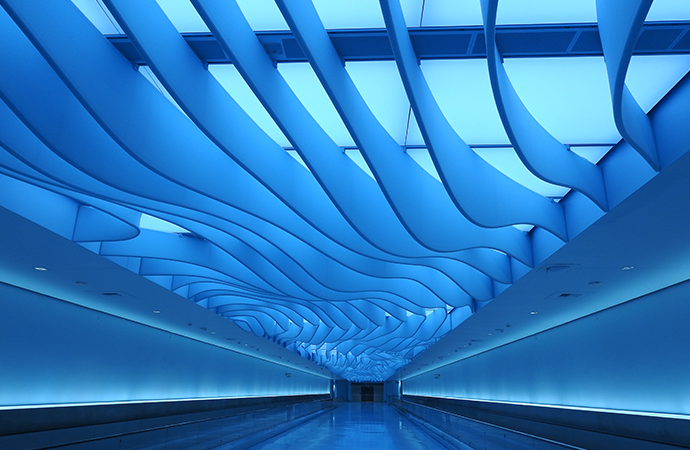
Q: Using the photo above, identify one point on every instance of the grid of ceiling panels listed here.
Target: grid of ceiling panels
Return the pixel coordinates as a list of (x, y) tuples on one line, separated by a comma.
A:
[(353, 209)]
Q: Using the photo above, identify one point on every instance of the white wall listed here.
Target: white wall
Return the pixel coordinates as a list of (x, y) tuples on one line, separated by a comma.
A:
[(635, 356), (53, 351)]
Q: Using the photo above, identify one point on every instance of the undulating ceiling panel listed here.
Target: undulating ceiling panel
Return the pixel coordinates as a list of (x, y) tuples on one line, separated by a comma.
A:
[(350, 180)]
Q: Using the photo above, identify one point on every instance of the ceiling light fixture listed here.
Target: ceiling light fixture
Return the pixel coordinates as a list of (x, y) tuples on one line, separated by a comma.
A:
[(40, 269)]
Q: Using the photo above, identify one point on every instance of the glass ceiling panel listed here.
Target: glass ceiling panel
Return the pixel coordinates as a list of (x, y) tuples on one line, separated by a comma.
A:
[(570, 97), (450, 13), (232, 81), (507, 161), (154, 223), (545, 11), (412, 10), (414, 134), (262, 15), (99, 15), (183, 15), (463, 92), (421, 156), (650, 77), (305, 84), (590, 153), (382, 89), (297, 157), (350, 14), (356, 156), (669, 10), (362, 13), (149, 75)]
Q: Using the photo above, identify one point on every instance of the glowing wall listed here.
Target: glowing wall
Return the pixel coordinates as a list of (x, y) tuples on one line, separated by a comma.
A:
[(629, 357), (53, 352)]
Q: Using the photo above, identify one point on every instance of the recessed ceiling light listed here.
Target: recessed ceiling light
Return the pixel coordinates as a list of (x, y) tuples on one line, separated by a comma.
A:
[(40, 269), (534, 312), (627, 267), (155, 311)]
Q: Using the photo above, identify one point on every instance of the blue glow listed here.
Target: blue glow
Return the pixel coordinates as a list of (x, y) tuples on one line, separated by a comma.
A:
[(228, 76), (568, 96), (578, 408), (463, 92), (665, 70), (280, 257), (380, 85), (306, 86)]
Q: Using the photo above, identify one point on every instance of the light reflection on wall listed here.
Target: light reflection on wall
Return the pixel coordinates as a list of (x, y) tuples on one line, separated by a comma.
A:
[(64, 353), (631, 357)]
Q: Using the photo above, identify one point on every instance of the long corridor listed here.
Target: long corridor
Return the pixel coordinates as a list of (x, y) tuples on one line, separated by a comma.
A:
[(360, 426)]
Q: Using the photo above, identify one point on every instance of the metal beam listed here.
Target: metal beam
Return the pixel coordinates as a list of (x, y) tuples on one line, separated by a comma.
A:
[(522, 41)]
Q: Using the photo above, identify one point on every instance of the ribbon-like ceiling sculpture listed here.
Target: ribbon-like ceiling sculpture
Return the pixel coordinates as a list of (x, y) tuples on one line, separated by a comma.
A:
[(358, 272)]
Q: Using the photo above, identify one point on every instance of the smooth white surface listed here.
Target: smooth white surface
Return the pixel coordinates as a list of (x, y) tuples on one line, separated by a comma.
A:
[(305, 84), (463, 92), (382, 89), (508, 162), (229, 77), (569, 97), (650, 77)]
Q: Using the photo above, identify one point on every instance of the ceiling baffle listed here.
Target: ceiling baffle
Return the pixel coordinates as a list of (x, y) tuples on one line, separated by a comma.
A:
[(357, 272)]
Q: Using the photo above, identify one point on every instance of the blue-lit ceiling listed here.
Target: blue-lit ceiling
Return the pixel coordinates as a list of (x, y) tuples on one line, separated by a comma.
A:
[(351, 180)]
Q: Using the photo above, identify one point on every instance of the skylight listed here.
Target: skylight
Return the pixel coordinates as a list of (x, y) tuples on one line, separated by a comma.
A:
[(228, 76), (339, 264), (380, 85), (306, 86), (568, 96), (154, 223), (463, 92)]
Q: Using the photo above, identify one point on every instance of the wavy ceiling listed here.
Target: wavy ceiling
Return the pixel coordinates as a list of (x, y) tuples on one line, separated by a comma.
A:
[(355, 250)]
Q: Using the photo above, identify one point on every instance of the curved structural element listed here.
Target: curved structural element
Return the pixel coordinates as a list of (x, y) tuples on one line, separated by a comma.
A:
[(620, 23), (483, 194), (417, 198), (541, 153), (168, 174)]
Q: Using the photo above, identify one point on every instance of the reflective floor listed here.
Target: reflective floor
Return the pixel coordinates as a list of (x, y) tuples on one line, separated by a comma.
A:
[(359, 426)]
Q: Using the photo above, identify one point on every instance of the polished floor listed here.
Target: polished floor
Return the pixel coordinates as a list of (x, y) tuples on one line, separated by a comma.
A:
[(356, 426)]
